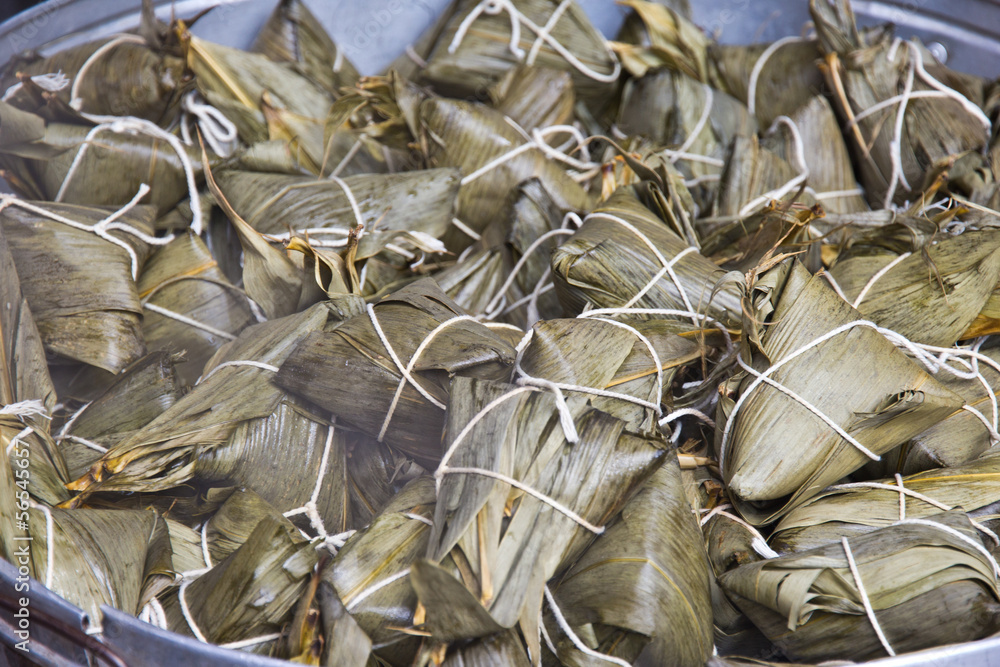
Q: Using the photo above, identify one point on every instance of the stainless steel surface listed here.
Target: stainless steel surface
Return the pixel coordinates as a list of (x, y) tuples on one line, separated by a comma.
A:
[(373, 33)]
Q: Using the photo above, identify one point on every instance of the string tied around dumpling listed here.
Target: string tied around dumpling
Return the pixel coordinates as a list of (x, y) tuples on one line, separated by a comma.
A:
[(517, 18)]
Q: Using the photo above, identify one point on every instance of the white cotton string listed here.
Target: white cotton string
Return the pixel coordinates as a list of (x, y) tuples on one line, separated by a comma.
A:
[(465, 229), (310, 509), (668, 312), (64, 431), (407, 374), (354, 202), (90, 444), (676, 414), (495, 7), (895, 146), (760, 378), (74, 93), (568, 631), (537, 142), (242, 362), (491, 306), (101, 228), (809, 406), (691, 138), (667, 266), (915, 94), (904, 492), (205, 553), (396, 360), (673, 156), (335, 542), (565, 416), (29, 408), (376, 587), (545, 635), (174, 315), (800, 157), (186, 612), (17, 438), (902, 496), (990, 428), (975, 544), (656, 278), (154, 614), (835, 194), (132, 126), (698, 180), (971, 108), (412, 54), (52, 82), (657, 364), (417, 517), (758, 542), (546, 29), (864, 597), (438, 474), (922, 353), (548, 500), (529, 298), (216, 129), (252, 641), (758, 67), (49, 541)]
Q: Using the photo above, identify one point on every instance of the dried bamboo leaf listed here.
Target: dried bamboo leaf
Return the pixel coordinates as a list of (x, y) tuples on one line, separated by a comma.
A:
[(831, 175), (673, 42), (500, 649), (183, 278), (472, 136), (420, 200), (753, 176), (110, 167), (370, 574), (270, 277), (535, 97), (294, 35), (511, 563), (119, 558), (347, 645), (236, 82), (597, 354), (960, 437), (931, 296), (879, 397), (787, 80), (161, 454)]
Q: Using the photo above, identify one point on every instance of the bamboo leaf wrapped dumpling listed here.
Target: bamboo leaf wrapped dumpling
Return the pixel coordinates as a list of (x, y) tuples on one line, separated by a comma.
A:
[(641, 263), (821, 393), (356, 370), (928, 582), (81, 285), (647, 576), (477, 47)]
